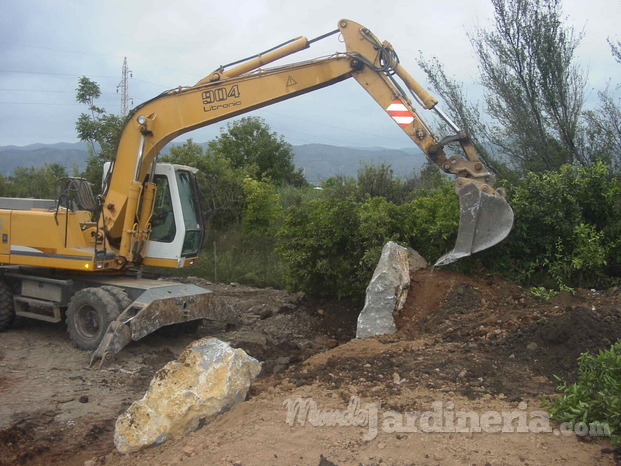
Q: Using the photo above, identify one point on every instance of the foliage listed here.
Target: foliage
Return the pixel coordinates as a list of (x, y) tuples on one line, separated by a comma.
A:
[(263, 210), (38, 183), (380, 221), (99, 129), (249, 144), (534, 89), (431, 220), (320, 248), (378, 180), (462, 111), (543, 293), (330, 246), (603, 130), (290, 196), (4, 186), (615, 49), (340, 187), (595, 398), (567, 227), (221, 185), (229, 257)]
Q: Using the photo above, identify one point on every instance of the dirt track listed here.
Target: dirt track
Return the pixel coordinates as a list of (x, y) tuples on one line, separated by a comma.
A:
[(480, 344)]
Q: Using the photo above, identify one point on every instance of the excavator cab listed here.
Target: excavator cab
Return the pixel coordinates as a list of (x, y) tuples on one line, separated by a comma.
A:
[(177, 228), (177, 224)]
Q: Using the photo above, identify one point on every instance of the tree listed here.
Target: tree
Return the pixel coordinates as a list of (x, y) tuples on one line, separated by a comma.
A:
[(604, 123), (604, 130), (535, 91), (99, 129), (39, 183), (248, 143), (461, 110), (220, 184), (615, 48), (378, 180)]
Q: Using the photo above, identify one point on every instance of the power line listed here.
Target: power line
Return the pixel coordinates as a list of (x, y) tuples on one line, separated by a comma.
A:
[(54, 74), (48, 90), (57, 50), (80, 75), (50, 103)]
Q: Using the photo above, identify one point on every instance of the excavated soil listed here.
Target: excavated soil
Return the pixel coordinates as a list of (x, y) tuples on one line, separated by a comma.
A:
[(473, 344)]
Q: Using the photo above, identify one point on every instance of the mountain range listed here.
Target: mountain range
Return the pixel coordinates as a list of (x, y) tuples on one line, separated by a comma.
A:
[(318, 161)]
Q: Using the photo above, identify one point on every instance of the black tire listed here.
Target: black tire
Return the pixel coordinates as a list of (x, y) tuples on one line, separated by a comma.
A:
[(7, 306), (89, 314), (119, 295)]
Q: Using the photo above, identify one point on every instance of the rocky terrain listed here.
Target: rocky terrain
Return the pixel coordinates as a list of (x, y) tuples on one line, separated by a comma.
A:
[(464, 344)]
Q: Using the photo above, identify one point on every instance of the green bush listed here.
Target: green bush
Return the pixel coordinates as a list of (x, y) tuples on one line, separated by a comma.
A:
[(380, 221), (595, 398), (567, 228), (262, 212), (432, 221), (326, 242), (321, 249), (331, 246)]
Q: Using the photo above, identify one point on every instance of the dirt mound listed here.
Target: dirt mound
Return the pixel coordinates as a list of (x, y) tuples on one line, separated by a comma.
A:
[(554, 342), (509, 323)]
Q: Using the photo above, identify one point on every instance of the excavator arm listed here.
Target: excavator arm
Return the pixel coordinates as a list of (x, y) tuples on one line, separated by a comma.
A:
[(486, 218)]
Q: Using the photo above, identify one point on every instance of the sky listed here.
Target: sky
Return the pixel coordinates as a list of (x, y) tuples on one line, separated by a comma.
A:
[(45, 46)]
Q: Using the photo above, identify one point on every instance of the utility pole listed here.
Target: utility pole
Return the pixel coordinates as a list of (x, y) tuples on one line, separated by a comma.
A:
[(124, 86)]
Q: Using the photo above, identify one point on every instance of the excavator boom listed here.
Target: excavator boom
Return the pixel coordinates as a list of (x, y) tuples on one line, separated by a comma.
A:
[(486, 218)]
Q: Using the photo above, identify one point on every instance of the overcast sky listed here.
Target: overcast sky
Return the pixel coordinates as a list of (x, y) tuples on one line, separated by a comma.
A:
[(45, 46)]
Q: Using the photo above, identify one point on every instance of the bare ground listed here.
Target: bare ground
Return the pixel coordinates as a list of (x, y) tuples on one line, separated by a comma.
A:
[(477, 344)]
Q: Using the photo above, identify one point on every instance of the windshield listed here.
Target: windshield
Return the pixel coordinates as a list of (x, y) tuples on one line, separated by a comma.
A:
[(192, 219), (163, 220)]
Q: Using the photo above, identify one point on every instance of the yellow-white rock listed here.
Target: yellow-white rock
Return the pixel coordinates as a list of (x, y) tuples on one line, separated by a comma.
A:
[(206, 379)]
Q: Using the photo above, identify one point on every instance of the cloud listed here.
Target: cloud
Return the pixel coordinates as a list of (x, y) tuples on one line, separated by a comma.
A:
[(45, 47)]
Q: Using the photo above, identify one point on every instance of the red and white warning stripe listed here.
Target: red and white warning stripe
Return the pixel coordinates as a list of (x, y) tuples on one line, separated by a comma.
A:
[(400, 113)]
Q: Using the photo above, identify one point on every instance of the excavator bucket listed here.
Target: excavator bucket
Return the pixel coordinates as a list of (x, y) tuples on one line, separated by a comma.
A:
[(484, 220)]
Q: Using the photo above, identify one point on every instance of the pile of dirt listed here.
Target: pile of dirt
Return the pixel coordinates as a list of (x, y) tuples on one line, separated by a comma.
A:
[(481, 343)]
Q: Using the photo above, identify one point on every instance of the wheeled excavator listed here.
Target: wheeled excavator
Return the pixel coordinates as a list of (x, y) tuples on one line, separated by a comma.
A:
[(80, 257)]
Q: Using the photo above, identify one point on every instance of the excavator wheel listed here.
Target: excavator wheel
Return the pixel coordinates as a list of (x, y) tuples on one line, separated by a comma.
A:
[(7, 308), (89, 314), (119, 296)]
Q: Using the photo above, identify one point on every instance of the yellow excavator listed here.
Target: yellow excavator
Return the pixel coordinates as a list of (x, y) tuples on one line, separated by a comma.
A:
[(80, 257)]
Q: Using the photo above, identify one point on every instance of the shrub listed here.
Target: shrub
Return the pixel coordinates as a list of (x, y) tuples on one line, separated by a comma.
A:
[(567, 227), (432, 220), (331, 246), (262, 212), (320, 247), (595, 398)]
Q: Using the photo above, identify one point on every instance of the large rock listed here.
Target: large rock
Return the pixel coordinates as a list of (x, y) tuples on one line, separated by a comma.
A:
[(208, 378), (387, 290)]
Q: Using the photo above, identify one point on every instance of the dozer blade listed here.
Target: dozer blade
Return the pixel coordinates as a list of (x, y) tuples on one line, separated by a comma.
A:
[(484, 220), (157, 307)]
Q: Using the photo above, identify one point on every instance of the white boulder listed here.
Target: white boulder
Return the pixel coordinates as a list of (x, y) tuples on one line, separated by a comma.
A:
[(209, 377)]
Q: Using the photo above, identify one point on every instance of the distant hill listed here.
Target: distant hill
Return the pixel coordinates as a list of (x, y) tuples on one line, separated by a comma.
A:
[(319, 161), (36, 155)]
